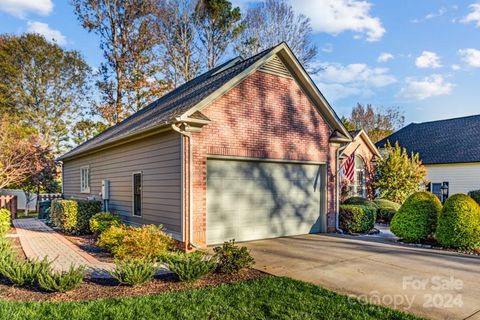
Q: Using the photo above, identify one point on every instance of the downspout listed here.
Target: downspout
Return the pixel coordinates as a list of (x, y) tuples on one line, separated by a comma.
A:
[(337, 181), (190, 182)]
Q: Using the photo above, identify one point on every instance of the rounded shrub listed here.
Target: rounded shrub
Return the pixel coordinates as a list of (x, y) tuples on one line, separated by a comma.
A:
[(102, 221), (5, 221), (356, 218), (459, 223), (359, 201), (417, 218), (386, 209)]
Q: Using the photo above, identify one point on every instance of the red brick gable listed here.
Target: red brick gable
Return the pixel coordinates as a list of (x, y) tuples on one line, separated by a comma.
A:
[(264, 116)]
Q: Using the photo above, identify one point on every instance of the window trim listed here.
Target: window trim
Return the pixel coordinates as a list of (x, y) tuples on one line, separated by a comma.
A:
[(363, 184), (85, 189), (141, 193)]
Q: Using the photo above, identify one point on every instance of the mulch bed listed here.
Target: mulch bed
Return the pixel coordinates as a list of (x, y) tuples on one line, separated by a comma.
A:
[(101, 289), (88, 243)]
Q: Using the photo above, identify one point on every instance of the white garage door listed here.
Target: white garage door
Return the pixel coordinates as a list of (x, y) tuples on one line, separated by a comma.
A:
[(249, 200)]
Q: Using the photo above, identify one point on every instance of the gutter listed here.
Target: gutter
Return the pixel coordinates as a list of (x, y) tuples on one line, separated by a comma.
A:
[(190, 187)]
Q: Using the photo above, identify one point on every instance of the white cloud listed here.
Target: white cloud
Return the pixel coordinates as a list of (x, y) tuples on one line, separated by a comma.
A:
[(384, 57), (337, 16), (428, 59), (455, 67), (470, 56), (421, 89), (46, 31), (339, 81), (440, 12), (474, 15), (20, 7), (328, 48)]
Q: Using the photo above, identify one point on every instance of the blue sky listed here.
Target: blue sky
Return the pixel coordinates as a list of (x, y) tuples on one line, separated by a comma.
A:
[(420, 55)]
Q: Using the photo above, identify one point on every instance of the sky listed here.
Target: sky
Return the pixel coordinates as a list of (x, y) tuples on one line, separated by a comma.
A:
[(422, 56)]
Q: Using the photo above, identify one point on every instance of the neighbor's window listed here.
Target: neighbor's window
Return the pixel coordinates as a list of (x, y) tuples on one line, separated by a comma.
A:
[(85, 179), (137, 194)]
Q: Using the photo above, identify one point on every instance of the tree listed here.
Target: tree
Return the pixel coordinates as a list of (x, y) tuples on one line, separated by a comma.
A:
[(19, 147), (177, 34), (128, 79), (398, 175), (379, 123), (218, 25), (271, 22), (43, 84), (348, 124), (86, 129)]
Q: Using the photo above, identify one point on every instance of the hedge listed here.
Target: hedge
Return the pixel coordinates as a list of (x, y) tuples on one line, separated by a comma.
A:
[(386, 209), (416, 219), (475, 195), (359, 201), (73, 216), (356, 218), (459, 223), (5, 221)]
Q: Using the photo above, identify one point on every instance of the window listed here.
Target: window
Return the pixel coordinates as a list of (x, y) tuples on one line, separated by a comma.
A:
[(137, 194), (85, 179), (359, 187)]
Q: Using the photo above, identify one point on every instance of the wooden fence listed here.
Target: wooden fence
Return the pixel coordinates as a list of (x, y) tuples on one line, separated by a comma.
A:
[(10, 203)]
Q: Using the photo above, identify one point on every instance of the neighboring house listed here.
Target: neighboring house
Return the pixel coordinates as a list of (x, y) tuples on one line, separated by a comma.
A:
[(449, 149), (247, 150), (365, 156)]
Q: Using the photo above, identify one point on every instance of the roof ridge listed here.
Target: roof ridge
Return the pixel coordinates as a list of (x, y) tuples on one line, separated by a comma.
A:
[(449, 119)]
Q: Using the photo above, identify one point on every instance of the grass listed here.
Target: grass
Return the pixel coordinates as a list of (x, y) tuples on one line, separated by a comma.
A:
[(31, 214), (264, 298)]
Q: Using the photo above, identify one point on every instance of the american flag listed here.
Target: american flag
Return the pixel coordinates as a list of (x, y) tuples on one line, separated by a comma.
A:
[(348, 169)]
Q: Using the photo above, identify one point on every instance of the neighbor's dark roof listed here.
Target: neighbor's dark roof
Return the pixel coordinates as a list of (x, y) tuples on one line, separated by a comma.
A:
[(175, 103), (438, 142)]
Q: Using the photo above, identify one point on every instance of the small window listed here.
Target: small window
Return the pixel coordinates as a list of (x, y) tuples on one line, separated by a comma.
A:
[(360, 184), (137, 194), (85, 179)]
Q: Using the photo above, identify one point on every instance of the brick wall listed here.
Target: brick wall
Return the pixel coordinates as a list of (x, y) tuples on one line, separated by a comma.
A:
[(265, 116)]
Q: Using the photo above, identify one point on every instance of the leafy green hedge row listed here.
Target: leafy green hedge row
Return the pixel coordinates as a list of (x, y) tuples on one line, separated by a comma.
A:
[(357, 218), (5, 221), (73, 216)]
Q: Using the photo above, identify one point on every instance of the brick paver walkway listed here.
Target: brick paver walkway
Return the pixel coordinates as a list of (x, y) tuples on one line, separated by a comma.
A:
[(39, 240)]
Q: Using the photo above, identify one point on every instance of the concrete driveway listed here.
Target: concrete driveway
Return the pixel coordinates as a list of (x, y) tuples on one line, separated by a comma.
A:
[(429, 283)]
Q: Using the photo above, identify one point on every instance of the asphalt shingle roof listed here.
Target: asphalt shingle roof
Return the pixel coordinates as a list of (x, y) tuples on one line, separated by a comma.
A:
[(175, 103), (439, 142)]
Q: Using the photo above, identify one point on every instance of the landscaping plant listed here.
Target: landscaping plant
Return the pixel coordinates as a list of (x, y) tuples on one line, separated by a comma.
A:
[(190, 266), (5, 221), (126, 242), (55, 281), (356, 218), (359, 201), (22, 272), (231, 258), (134, 271), (73, 216), (475, 195), (386, 209), (459, 223), (102, 221), (416, 220), (398, 174)]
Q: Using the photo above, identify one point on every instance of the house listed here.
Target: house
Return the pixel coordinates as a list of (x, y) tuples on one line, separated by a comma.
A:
[(247, 150), (449, 149), (365, 153)]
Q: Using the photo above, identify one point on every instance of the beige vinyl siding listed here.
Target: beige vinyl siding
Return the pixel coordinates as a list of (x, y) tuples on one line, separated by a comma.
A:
[(158, 157), (462, 178)]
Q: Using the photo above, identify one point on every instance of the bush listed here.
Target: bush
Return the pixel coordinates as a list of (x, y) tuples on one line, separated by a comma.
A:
[(134, 271), (416, 219), (190, 266), (102, 221), (232, 258), (127, 242), (475, 195), (54, 281), (359, 201), (23, 272), (5, 221), (459, 223), (73, 216), (386, 209), (356, 218)]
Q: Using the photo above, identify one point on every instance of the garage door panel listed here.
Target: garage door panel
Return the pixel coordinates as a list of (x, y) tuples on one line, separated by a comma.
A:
[(249, 200)]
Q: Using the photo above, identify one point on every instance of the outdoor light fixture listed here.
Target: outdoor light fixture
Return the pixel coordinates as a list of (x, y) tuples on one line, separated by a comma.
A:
[(444, 189)]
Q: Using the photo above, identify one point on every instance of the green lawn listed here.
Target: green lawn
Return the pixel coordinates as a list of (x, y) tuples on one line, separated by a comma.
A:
[(265, 298)]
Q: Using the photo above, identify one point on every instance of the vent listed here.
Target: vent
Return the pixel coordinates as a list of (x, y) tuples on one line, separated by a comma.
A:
[(276, 66)]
